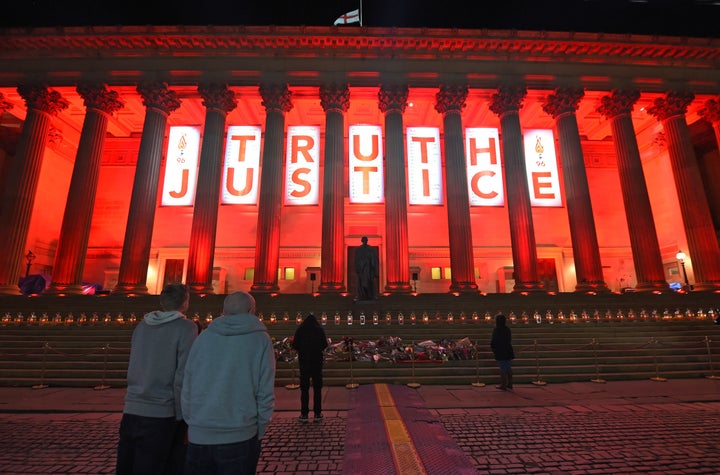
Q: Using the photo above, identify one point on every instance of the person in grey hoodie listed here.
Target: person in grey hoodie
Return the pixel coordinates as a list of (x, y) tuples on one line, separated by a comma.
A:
[(152, 432), (228, 394)]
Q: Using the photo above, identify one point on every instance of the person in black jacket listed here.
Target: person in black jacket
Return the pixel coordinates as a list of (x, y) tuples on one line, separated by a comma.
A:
[(310, 343), (501, 345)]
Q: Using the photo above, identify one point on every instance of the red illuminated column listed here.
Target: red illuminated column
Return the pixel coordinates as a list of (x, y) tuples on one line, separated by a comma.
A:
[(711, 113), (21, 184), (643, 236), (506, 104), (276, 99), (159, 102), (75, 231), (450, 101), (218, 102), (335, 101), (392, 102), (561, 105), (699, 230)]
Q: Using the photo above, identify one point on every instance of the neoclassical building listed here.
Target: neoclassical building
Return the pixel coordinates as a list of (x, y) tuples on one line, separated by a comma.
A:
[(255, 158)]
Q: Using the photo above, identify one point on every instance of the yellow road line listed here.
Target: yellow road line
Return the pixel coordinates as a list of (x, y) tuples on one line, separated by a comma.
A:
[(407, 460)]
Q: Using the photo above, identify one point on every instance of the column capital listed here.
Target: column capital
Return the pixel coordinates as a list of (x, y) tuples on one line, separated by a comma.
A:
[(508, 99), (711, 111), (563, 101), (335, 97), (39, 97), (217, 96), (451, 99), (673, 104), (98, 96), (393, 98), (4, 104), (158, 96), (618, 102), (276, 97)]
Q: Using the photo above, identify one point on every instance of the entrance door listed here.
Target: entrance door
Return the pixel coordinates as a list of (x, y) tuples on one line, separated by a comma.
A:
[(352, 285), (173, 271), (547, 274)]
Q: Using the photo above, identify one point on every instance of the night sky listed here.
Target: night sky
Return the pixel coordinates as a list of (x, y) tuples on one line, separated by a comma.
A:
[(661, 17)]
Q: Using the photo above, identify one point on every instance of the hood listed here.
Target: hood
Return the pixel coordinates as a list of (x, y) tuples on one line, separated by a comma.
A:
[(159, 317), (238, 324)]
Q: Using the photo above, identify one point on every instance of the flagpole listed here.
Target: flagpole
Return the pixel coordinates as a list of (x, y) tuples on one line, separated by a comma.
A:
[(361, 13)]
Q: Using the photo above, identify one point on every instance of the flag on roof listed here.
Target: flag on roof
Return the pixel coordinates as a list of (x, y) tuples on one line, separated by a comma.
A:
[(348, 18)]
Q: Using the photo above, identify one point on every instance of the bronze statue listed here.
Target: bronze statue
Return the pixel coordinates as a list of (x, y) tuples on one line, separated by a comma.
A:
[(366, 267)]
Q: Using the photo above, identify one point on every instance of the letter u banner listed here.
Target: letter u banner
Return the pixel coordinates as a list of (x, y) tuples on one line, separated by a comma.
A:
[(366, 164)]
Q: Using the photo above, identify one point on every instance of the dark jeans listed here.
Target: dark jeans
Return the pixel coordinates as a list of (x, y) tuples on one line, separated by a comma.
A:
[(240, 458), (150, 446), (311, 370)]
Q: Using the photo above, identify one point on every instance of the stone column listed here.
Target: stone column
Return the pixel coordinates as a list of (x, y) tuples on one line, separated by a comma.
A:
[(506, 104), (75, 231), (638, 212), (392, 102), (21, 186), (335, 101), (561, 105), (159, 102), (218, 102), (703, 247), (276, 99), (450, 101), (711, 113)]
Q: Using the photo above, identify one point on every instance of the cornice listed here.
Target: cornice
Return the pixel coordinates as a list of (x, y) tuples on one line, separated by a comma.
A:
[(366, 42)]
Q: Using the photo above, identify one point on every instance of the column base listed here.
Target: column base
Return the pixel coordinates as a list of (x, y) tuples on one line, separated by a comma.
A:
[(654, 286), (201, 289), (590, 287), (130, 290), (398, 288), (9, 289), (64, 289), (331, 288), (527, 287), (464, 287), (710, 286), (264, 287)]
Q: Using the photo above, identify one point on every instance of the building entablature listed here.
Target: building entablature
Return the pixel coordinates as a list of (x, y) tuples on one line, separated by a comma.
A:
[(359, 56)]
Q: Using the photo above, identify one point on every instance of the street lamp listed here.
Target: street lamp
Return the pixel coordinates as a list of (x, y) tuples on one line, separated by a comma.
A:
[(681, 257), (29, 258)]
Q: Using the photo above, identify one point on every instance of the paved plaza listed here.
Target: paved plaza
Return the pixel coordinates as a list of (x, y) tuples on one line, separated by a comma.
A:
[(668, 427)]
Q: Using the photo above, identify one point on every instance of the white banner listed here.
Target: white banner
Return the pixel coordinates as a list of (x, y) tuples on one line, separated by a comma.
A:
[(484, 169), (541, 164), (181, 166), (242, 164), (302, 166), (366, 164), (424, 166)]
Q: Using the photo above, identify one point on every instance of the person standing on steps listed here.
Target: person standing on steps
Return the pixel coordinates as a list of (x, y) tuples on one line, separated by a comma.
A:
[(502, 349), (310, 343)]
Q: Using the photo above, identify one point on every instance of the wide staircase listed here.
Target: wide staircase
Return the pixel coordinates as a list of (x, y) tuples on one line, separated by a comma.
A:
[(84, 341)]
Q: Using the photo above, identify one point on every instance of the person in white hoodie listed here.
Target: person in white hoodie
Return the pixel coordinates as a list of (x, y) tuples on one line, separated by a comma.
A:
[(228, 394), (152, 432)]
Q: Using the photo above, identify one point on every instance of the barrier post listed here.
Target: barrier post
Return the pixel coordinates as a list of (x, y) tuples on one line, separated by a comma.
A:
[(477, 382), (538, 381), (413, 384), (597, 379), (42, 384), (293, 384), (657, 376), (104, 386), (352, 384), (710, 361)]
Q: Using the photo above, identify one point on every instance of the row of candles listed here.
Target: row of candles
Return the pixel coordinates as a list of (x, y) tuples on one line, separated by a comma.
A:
[(388, 319)]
